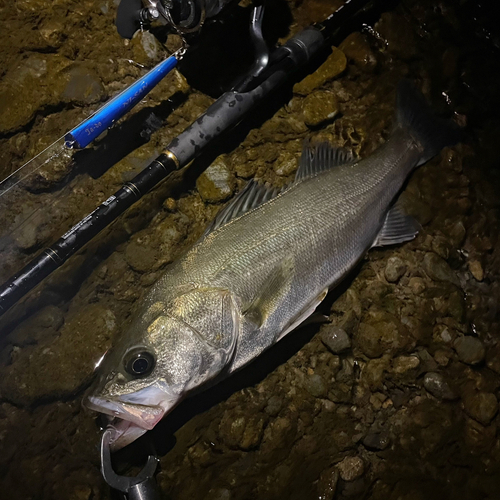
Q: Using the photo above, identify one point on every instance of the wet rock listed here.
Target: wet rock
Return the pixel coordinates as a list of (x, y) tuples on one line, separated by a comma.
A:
[(52, 31), (27, 88), (436, 384), (373, 373), (357, 49), (30, 377), (219, 494), (443, 356), (427, 361), (274, 406), (481, 406), (141, 254), (439, 270), (493, 358), (476, 269), (380, 337), (327, 484), (457, 233), (146, 48), (278, 437), (217, 182), (315, 385), (335, 338), (456, 306), (403, 364), (332, 67), (377, 441), (417, 285), (286, 164), (479, 438), (398, 34), (39, 326), (441, 246), (242, 431), (83, 86), (351, 468), (470, 350), (318, 107), (394, 269)]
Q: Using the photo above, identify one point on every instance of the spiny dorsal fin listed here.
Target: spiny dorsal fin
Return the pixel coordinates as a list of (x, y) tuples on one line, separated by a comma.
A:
[(321, 157), (398, 228), (254, 194)]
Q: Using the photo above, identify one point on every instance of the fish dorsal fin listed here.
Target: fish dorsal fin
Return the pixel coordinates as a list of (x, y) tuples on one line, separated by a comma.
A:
[(321, 157), (254, 194), (398, 228)]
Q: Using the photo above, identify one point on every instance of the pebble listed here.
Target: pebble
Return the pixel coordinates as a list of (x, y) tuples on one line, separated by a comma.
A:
[(274, 405), (84, 86), (417, 285), (439, 270), (242, 431), (442, 356), (286, 164), (146, 47), (481, 406), (315, 385), (476, 269), (403, 364), (436, 384), (327, 484), (381, 337), (351, 468), (217, 182), (377, 440), (357, 49), (470, 350), (335, 338), (319, 107), (332, 67), (394, 269), (141, 253)]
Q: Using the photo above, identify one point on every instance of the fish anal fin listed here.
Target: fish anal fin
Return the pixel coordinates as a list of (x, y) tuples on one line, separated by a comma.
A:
[(398, 228)]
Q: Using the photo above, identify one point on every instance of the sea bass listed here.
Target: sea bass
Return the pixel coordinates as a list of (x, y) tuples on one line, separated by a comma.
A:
[(261, 268)]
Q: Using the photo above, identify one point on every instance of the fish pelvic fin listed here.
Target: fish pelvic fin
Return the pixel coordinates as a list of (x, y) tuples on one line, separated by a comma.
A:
[(323, 156), (414, 114), (397, 228)]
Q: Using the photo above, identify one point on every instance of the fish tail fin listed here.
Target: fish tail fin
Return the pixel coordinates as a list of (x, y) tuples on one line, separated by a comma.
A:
[(414, 113)]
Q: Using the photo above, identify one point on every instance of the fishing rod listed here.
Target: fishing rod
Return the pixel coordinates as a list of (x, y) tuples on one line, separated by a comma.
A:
[(222, 115)]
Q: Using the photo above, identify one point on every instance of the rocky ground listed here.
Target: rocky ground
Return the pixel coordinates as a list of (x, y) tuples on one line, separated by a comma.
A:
[(396, 397)]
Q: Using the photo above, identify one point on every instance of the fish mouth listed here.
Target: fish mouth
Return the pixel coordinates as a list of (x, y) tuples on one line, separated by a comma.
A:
[(127, 421)]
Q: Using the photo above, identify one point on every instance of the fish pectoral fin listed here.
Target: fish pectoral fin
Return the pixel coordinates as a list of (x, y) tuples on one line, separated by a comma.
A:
[(306, 316), (323, 156), (276, 287), (398, 228)]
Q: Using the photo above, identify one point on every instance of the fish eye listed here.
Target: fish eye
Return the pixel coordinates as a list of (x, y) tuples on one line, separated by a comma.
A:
[(139, 362)]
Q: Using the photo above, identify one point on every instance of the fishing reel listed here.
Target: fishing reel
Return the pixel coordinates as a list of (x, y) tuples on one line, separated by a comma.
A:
[(181, 16)]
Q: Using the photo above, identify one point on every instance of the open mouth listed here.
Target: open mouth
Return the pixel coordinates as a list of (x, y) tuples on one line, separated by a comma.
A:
[(128, 421)]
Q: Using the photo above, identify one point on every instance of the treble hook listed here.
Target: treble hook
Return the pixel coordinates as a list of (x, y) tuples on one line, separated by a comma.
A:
[(141, 487)]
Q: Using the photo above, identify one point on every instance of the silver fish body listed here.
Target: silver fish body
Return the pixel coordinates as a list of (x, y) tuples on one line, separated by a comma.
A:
[(252, 279)]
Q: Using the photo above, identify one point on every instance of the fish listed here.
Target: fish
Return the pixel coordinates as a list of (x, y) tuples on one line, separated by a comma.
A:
[(261, 268)]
